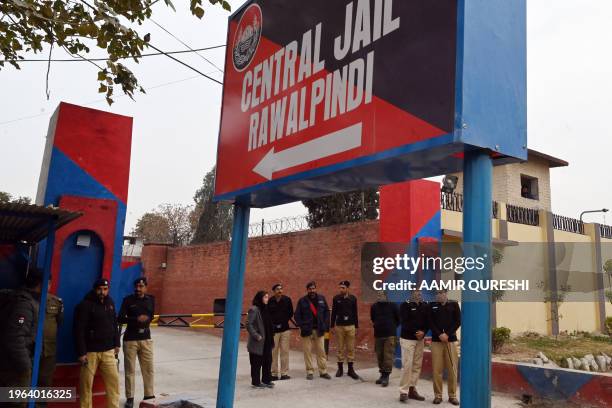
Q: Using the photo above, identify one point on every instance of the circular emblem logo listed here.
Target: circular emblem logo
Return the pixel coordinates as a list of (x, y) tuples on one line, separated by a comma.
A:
[(246, 38)]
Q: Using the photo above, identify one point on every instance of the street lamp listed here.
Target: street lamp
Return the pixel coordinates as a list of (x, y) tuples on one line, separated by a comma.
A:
[(603, 210)]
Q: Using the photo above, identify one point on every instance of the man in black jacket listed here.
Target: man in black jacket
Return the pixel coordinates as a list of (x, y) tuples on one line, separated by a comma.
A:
[(137, 312), (280, 308), (385, 317), (18, 332), (345, 320), (414, 315), (312, 317), (97, 343), (444, 320)]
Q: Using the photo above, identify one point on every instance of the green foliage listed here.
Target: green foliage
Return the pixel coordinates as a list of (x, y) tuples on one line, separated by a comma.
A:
[(342, 208), (499, 336), (609, 324), (608, 266), (609, 296), (152, 227), (77, 26), (169, 224), (558, 348), (497, 256), (6, 198), (213, 221)]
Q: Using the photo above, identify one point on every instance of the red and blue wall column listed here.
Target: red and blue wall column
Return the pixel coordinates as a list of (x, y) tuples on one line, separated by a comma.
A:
[(85, 168), (410, 213)]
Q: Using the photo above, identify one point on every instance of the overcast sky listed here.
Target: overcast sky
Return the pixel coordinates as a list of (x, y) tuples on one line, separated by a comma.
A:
[(176, 122)]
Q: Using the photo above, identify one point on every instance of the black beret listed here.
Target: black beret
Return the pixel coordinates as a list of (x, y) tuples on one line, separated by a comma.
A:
[(310, 284), (100, 282), (142, 280), (345, 283), (276, 286)]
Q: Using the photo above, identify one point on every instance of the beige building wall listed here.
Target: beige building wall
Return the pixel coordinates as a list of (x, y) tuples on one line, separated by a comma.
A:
[(507, 183), (606, 253), (577, 314), (521, 317)]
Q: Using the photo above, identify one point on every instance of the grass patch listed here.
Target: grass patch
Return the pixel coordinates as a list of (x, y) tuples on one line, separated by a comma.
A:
[(556, 348)]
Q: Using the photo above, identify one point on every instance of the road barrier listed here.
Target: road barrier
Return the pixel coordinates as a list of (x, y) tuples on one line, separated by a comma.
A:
[(185, 320)]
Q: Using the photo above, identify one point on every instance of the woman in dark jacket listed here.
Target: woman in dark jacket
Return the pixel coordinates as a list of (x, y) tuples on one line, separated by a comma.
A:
[(261, 341)]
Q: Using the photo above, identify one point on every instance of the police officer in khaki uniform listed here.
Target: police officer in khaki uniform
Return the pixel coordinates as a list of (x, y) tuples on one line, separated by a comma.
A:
[(444, 321), (96, 335), (345, 320), (137, 312), (54, 316)]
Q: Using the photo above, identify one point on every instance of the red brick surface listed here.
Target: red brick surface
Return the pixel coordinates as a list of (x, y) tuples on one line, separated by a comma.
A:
[(196, 275)]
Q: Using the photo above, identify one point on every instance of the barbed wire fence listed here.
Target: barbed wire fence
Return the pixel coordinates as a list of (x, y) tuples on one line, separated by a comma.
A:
[(301, 223)]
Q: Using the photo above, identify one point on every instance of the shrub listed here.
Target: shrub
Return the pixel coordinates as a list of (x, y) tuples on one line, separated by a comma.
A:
[(609, 324), (500, 335)]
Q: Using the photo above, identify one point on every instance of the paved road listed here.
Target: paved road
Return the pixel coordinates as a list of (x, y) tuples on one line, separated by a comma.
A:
[(187, 363)]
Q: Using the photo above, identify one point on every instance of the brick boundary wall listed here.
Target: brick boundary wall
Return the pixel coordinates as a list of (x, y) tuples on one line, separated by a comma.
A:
[(195, 275)]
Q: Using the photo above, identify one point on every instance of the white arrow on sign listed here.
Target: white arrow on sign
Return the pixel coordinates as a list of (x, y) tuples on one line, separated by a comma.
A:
[(324, 146)]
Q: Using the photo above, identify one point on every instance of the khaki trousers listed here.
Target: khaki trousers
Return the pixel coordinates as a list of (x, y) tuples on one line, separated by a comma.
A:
[(143, 349), (281, 349), (412, 360), (107, 363), (345, 335), (319, 346), (444, 355)]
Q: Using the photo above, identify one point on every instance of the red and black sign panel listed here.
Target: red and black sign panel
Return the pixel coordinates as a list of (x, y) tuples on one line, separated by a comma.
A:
[(318, 87)]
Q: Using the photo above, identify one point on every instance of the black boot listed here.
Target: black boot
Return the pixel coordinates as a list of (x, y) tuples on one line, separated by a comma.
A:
[(379, 381), (340, 371), (351, 371), (385, 380), (129, 403)]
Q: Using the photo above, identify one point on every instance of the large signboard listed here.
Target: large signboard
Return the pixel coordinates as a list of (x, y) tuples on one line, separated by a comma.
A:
[(328, 96)]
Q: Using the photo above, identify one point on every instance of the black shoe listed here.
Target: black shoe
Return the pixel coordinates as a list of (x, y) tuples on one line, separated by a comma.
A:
[(413, 394), (148, 397), (385, 380), (309, 377), (326, 376), (285, 377), (340, 371), (403, 397), (453, 401), (351, 372), (379, 381), (268, 385), (274, 378), (129, 403), (437, 400), (258, 386)]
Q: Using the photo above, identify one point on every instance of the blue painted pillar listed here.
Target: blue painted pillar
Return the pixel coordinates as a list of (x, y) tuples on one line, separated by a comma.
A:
[(476, 309), (43, 307), (233, 308)]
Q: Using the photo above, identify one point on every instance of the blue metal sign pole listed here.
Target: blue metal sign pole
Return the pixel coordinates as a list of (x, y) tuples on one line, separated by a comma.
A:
[(42, 308), (233, 308), (476, 314)]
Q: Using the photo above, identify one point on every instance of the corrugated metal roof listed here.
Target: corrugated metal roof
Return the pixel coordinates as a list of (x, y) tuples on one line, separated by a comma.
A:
[(29, 222)]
